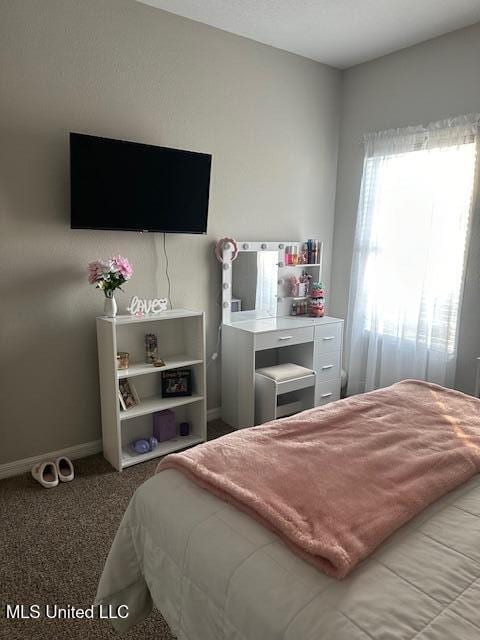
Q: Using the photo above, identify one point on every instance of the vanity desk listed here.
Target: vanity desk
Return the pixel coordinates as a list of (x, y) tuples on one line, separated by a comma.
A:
[(264, 335)]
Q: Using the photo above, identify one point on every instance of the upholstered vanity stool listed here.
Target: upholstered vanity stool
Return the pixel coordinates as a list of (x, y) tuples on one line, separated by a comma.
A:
[(272, 384)]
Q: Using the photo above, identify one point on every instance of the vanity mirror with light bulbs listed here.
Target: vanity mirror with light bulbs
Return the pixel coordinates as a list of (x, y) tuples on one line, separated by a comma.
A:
[(256, 281), (258, 329)]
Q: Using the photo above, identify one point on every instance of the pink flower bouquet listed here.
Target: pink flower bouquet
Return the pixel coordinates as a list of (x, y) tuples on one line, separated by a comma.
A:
[(109, 275)]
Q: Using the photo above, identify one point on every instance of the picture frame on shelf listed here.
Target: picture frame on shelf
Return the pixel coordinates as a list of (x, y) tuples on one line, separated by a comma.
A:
[(127, 394), (176, 383)]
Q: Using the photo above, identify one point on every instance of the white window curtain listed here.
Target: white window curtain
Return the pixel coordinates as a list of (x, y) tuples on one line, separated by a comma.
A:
[(409, 253)]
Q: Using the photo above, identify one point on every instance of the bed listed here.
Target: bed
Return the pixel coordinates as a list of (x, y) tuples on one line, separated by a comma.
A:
[(214, 572)]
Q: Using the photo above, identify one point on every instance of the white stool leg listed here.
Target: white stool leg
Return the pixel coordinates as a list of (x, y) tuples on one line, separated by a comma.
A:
[(265, 399)]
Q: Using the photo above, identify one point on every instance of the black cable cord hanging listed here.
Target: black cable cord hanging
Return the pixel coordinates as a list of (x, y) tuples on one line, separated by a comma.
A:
[(166, 270)]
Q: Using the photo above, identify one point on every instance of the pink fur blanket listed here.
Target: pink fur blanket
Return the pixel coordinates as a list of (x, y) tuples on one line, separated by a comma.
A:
[(335, 481)]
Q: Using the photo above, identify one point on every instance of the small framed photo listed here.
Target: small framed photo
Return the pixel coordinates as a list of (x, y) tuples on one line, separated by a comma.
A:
[(127, 394), (176, 383)]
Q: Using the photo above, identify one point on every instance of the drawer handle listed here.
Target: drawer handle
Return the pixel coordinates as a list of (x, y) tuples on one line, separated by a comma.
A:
[(326, 395), (285, 337), (329, 338), (327, 366)]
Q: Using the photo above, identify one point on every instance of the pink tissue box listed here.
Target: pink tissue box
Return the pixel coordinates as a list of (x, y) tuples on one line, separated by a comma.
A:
[(164, 427)]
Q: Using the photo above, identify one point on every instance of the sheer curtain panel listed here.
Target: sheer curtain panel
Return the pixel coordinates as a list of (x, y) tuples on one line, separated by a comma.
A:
[(409, 253)]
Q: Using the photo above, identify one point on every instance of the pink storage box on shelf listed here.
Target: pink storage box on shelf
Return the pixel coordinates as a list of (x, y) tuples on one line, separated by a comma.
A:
[(164, 427)]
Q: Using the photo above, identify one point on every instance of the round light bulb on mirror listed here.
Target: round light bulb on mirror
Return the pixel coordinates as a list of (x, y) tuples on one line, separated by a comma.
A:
[(281, 246), (264, 246), (226, 266), (225, 285), (245, 245), (226, 305)]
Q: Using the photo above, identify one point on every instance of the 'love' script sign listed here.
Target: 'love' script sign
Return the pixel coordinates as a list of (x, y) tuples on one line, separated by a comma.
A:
[(138, 307)]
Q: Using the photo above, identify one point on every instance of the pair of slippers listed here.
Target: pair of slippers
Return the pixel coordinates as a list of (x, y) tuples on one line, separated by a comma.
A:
[(49, 474)]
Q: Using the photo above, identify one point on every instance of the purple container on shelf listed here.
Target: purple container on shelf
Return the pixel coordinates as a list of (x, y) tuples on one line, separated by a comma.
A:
[(164, 427)]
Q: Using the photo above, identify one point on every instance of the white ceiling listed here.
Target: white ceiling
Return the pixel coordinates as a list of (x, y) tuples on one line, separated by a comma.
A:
[(341, 33)]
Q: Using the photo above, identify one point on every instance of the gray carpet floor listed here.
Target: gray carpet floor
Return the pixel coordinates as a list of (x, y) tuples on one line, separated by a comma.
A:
[(54, 543)]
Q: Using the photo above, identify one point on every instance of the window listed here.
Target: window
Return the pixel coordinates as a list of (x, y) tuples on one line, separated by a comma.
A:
[(410, 248)]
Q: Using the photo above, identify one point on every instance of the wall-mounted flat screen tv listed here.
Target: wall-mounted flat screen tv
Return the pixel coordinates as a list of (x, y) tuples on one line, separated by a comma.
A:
[(137, 187)]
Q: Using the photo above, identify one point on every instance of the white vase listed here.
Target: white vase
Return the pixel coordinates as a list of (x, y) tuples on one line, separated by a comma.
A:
[(110, 309)]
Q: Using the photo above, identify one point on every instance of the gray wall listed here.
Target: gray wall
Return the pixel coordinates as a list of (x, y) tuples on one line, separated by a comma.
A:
[(427, 82), (122, 69)]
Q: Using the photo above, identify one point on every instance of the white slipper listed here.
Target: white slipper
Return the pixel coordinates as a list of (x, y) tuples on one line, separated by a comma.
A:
[(65, 469), (46, 474)]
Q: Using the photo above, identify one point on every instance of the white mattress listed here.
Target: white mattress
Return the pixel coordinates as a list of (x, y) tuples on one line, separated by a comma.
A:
[(215, 573)]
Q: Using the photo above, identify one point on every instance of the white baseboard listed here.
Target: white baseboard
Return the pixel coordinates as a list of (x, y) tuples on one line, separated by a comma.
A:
[(17, 467), (213, 414)]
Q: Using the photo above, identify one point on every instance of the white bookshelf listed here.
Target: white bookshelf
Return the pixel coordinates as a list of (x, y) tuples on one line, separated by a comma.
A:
[(181, 344)]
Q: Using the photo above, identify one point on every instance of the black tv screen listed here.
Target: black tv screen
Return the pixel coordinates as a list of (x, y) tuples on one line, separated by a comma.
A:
[(137, 187)]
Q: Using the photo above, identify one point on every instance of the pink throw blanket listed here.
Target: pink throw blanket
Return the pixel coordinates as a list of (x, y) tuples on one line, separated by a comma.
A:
[(335, 481)]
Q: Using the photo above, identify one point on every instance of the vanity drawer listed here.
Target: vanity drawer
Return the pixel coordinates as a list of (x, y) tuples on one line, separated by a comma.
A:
[(274, 339), (326, 392), (328, 337), (327, 365)]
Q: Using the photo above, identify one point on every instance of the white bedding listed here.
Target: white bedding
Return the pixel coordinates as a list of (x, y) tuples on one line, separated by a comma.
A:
[(214, 573)]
